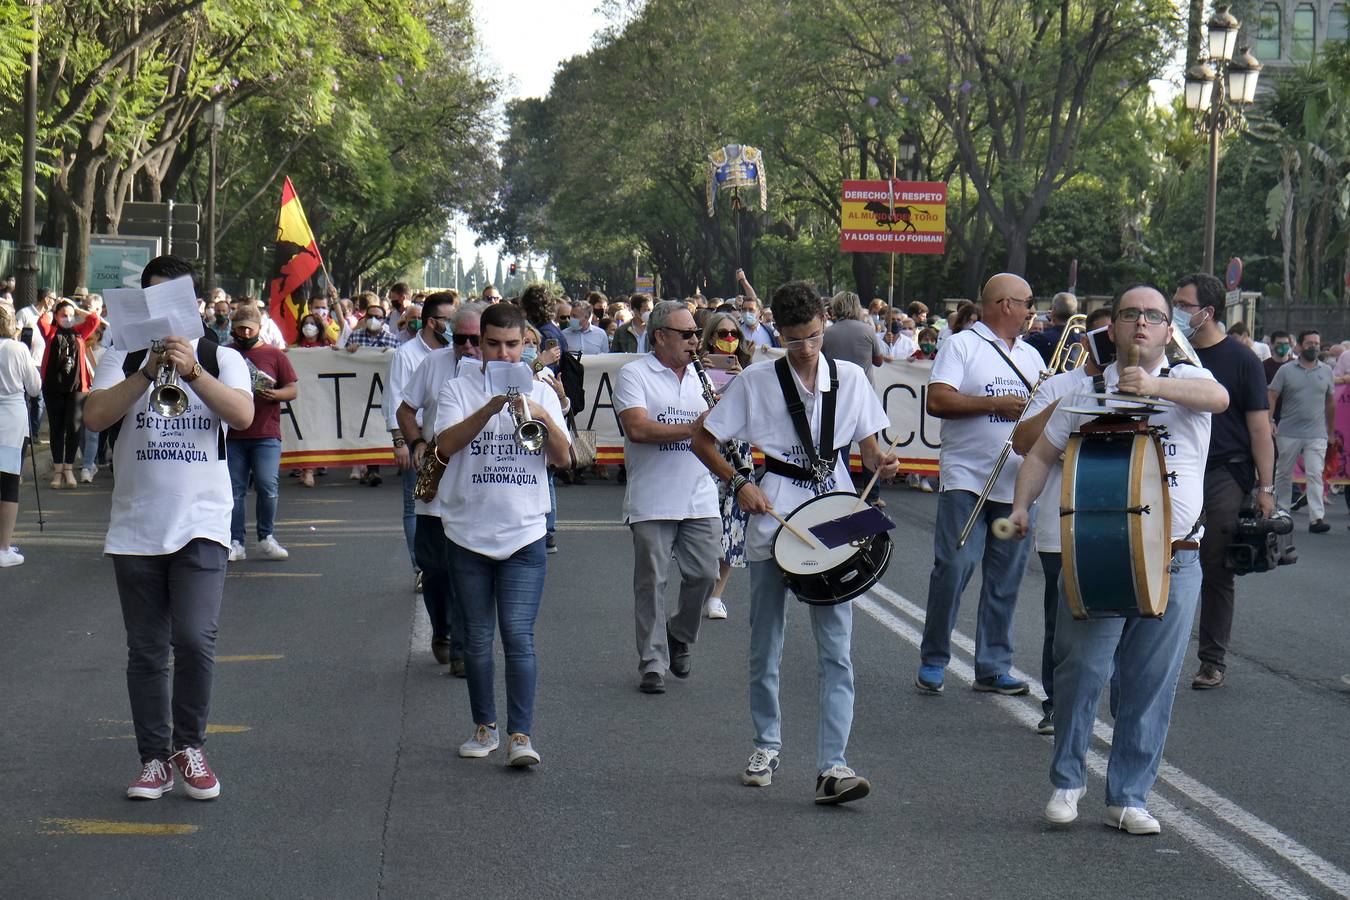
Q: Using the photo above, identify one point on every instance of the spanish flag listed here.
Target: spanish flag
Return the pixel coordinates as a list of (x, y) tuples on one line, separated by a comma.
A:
[(295, 262)]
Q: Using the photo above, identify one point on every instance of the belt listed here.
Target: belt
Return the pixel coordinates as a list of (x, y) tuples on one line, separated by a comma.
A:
[(1185, 545)]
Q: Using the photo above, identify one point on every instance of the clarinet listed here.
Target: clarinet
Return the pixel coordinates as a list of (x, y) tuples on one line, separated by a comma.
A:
[(710, 397)]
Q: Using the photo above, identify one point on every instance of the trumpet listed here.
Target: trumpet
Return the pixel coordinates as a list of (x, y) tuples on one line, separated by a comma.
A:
[(1064, 359), (167, 397), (530, 433)]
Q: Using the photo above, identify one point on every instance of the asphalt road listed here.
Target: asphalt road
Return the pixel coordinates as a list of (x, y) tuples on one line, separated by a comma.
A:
[(335, 731)]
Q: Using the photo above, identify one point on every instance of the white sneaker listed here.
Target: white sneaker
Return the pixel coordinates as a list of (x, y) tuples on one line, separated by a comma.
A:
[(1134, 819), (715, 608), (759, 770), (521, 752), (87, 475), (237, 551), (483, 742), (1063, 806), (10, 557), (270, 549)]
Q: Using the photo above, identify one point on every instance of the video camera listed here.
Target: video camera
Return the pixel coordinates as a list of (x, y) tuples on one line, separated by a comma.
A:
[(1260, 545)]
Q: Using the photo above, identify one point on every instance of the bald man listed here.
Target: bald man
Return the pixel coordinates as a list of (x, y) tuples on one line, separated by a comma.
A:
[(980, 382)]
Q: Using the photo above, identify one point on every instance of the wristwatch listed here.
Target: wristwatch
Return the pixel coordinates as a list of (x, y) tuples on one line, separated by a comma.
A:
[(399, 442), (194, 374), (1266, 488)]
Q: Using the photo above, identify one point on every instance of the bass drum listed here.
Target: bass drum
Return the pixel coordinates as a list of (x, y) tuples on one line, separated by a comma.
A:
[(822, 576)]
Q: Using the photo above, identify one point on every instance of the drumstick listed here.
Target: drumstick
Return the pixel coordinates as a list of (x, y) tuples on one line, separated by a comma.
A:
[(862, 498), (795, 532)]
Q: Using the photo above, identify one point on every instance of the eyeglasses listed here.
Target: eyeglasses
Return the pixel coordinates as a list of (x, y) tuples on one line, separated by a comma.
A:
[(686, 334), (1134, 314), (1189, 307), (726, 333), (814, 340), (1028, 302), (462, 339)]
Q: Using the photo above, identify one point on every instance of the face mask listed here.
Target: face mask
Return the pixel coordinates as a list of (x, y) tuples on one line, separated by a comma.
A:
[(750, 319), (243, 342), (1187, 324), (1309, 354), (221, 318), (65, 321), (415, 326), (310, 329), (374, 323), (529, 354), (321, 312), (908, 332), (574, 322), (1282, 349), (727, 345), (928, 348)]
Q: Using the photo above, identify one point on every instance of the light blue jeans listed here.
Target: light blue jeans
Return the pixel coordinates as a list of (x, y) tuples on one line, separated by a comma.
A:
[(260, 457), (833, 629), (1004, 563), (1147, 655)]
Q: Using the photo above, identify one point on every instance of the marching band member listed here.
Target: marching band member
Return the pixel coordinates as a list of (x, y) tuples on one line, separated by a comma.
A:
[(771, 412), (1051, 391), (670, 503), (1147, 652), (429, 543), (978, 387), (494, 500)]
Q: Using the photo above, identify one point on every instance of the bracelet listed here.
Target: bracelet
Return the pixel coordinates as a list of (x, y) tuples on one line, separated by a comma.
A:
[(738, 481)]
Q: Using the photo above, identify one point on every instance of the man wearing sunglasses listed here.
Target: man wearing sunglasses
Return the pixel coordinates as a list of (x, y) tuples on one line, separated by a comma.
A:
[(754, 408), (1145, 652), (416, 418), (979, 385), (435, 319)]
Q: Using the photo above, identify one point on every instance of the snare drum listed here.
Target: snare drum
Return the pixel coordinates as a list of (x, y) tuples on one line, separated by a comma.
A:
[(820, 575), (1115, 521)]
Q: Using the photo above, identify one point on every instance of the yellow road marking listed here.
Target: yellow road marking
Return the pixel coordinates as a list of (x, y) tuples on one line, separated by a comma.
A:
[(273, 574), (290, 544), (210, 729), (256, 657), (103, 826)]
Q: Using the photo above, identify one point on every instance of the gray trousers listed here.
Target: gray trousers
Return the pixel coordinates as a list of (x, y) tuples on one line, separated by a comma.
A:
[(171, 601), (696, 546)]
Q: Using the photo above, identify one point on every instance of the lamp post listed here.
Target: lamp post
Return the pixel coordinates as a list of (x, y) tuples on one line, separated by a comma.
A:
[(1218, 88), (214, 117), (907, 151), (26, 269)]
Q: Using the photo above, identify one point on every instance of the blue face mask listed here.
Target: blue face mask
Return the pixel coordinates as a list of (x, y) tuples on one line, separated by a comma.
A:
[(750, 320), (574, 322), (529, 354), (1185, 324)]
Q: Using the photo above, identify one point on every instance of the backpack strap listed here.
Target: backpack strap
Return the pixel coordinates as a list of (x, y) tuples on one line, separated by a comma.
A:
[(209, 358)]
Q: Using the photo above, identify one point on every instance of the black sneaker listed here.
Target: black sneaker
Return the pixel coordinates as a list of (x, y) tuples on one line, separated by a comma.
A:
[(457, 668), (838, 784), (1319, 527), (652, 683), (681, 660), (1299, 503), (1046, 725), (374, 480)]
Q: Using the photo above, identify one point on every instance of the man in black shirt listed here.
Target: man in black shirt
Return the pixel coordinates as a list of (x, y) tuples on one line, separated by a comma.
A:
[(1062, 308), (1241, 457)]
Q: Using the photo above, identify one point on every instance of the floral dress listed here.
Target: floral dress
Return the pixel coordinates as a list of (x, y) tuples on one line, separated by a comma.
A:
[(733, 518)]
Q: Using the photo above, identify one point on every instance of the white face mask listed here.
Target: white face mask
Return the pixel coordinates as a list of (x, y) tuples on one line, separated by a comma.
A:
[(65, 321), (374, 324), (310, 329)]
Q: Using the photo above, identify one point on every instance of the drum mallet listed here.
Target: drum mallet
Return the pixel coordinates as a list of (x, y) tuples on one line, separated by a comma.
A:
[(796, 532)]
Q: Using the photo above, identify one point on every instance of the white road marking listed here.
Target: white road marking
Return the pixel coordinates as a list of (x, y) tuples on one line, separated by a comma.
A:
[(1238, 860)]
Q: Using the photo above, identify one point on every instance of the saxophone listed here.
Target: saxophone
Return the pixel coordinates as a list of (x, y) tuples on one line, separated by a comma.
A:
[(429, 473), (710, 396)]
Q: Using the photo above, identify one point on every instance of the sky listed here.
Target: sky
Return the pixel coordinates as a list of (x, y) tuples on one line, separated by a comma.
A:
[(525, 40)]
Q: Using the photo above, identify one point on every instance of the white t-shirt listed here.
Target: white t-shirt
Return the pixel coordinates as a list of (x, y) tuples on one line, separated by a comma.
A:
[(1185, 446), (494, 495), (971, 445), (407, 359), (665, 481), (1056, 387), (270, 333), (421, 393), (173, 483), (752, 409), (903, 348)]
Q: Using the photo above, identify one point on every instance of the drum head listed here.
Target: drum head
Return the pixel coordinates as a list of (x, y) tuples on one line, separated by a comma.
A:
[(823, 576), (1150, 534)]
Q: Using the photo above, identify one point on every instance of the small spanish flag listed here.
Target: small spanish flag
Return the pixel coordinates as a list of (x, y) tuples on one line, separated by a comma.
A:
[(295, 262)]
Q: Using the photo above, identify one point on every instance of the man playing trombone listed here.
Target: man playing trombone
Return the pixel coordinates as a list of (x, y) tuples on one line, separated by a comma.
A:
[(671, 502), (979, 387)]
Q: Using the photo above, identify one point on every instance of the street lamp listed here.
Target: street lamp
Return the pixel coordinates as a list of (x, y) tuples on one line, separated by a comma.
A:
[(214, 117), (909, 148), (1217, 88), (26, 269)]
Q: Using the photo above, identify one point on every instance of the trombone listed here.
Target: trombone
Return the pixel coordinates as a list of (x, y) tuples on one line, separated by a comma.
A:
[(1069, 355)]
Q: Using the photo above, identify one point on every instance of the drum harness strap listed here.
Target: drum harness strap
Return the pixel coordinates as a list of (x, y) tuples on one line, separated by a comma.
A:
[(822, 460), (1188, 542)]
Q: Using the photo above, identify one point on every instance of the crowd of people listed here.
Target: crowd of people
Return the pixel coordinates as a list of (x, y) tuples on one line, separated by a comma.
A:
[(693, 404)]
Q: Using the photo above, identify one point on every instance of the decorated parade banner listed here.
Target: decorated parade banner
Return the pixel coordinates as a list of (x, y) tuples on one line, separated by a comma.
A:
[(337, 418), (893, 217)]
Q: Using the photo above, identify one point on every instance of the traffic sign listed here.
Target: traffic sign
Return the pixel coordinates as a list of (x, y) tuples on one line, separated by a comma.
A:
[(1233, 274)]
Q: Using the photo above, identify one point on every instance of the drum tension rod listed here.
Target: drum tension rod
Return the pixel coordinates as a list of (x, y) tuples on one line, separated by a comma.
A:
[(1132, 510)]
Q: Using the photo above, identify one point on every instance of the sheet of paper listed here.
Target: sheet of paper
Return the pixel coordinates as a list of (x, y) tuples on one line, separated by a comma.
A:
[(137, 317), (503, 375)]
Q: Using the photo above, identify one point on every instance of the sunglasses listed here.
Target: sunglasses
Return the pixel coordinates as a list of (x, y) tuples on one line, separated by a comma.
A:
[(726, 333), (686, 334), (462, 339)]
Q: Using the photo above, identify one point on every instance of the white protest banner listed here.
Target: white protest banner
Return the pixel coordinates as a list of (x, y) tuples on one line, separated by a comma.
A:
[(338, 416)]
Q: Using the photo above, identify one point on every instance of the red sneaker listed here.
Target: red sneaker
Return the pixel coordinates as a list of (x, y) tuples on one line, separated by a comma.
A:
[(200, 781), (155, 781)]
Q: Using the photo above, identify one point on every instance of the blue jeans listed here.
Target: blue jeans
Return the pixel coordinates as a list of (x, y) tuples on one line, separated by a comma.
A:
[(503, 592), (410, 514), (1147, 655), (89, 448), (833, 630), (551, 520), (1003, 565), (261, 457)]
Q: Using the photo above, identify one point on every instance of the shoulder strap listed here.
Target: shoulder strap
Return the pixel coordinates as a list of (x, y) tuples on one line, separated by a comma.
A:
[(822, 459), (134, 360), (206, 355), (1008, 359)]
